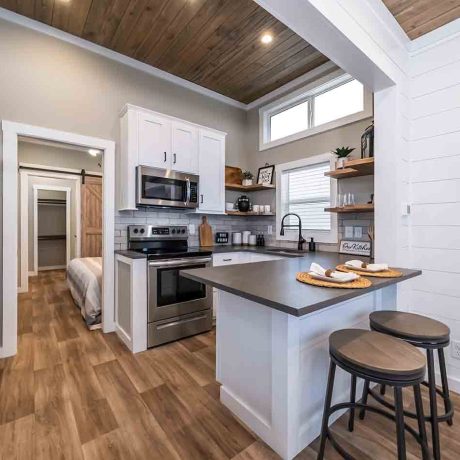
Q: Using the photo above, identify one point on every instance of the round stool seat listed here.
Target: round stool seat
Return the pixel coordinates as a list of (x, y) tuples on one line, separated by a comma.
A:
[(409, 326), (377, 355)]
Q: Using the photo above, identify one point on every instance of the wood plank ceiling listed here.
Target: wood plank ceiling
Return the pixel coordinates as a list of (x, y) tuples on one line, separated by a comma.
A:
[(418, 17), (213, 43)]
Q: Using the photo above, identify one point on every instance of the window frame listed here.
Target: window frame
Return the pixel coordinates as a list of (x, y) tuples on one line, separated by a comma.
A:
[(320, 236), (309, 92)]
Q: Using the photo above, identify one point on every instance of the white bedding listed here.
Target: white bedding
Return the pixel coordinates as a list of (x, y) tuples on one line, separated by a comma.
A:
[(84, 278)]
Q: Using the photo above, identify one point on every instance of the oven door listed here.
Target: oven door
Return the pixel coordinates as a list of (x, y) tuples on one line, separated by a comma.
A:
[(171, 295), (166, 188)]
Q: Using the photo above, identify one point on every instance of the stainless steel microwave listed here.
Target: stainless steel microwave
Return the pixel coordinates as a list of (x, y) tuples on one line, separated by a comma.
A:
[(166, 188)]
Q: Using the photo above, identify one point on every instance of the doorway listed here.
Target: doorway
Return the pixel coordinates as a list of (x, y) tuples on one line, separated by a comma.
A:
[(52, 236), (12, 133)]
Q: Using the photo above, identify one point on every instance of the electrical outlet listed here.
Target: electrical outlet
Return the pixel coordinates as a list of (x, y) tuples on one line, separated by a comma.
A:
[(348, 232), (358, 232), (270, 230), (191, 229), (455, 349)]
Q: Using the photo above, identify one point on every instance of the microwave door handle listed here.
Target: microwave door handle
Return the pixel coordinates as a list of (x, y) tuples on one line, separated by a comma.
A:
[(188, 192)]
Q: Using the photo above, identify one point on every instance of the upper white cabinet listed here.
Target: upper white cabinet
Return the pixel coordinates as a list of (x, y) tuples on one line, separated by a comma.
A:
[(211, 171), (154, 138), (184, 147), (160, 141)]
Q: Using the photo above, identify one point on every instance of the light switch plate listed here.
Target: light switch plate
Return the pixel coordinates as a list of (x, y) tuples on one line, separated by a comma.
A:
[(348, 232), (358, 232), (191, 229)]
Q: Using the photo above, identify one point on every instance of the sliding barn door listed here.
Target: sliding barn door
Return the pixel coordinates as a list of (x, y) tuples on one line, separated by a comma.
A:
[(91, 217)]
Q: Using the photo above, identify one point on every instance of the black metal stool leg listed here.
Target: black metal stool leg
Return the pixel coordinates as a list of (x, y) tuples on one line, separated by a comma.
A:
[(421, 422), (400, 434), (327, 407), (382, 389), (445, 384), (433, 407), (362, 412), (351, 420)]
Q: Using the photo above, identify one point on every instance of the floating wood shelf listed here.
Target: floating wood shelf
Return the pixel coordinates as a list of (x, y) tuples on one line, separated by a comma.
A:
[(239, 213), (248, 188), (351, 209), (353, 168)]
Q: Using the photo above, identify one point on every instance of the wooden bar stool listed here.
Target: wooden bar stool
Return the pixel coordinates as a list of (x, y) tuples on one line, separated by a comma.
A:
[(431, 335), (378, 358)]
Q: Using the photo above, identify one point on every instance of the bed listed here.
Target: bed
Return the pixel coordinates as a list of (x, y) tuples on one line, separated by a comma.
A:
[(84, 278)]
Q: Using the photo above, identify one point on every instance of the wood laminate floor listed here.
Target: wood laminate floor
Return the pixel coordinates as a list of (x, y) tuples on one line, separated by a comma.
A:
[(74, 394)]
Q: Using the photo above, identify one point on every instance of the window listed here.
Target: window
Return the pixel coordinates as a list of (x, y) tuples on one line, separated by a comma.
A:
[(304, 190), (326, 104)]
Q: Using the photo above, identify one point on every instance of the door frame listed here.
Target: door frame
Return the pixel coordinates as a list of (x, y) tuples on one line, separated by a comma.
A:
[(56, 188), (11, 132), (24, 270)]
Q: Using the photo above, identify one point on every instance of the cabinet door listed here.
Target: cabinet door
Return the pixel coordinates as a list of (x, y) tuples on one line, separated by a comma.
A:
[(154, 137), (212, 171), (184, 147)]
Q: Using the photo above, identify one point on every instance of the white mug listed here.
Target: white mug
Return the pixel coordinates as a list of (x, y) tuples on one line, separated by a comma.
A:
[(267, 209), (256, 208), (246, 234), (229, 206)]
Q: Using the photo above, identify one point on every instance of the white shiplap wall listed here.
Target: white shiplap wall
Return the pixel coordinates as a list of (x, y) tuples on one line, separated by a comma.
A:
[(435, 186)]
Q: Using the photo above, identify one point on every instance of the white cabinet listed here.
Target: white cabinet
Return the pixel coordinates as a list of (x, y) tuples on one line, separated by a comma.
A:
[(184, 156), (160, 141), (212, 171), (154, 137)]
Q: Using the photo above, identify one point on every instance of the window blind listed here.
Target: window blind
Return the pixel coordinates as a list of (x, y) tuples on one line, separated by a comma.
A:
[(308, 193)]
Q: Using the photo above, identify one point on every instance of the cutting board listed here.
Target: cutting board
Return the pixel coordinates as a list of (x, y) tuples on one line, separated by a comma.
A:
[(205, 231)]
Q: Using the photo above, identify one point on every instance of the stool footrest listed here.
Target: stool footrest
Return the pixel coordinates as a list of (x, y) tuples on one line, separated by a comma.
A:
[(441, 418)]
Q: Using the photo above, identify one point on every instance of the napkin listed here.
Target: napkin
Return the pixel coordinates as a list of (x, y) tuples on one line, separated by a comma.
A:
[(358, 264), (317, 270)]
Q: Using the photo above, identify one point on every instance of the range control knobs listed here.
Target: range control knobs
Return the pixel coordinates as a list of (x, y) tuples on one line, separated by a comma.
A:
[(183, 231), (136, 230), (142, 230), (173, 231)]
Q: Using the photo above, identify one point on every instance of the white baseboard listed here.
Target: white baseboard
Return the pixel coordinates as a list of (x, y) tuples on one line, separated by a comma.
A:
[(52, 267)]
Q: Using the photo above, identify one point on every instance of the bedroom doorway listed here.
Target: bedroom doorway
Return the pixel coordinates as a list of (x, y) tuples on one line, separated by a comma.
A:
[(72, 220)]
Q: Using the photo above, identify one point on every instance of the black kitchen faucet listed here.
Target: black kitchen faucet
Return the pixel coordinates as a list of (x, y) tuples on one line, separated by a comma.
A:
[(298, 225)]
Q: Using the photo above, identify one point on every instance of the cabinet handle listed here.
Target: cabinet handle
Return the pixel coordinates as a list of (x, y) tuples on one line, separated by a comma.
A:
[(174, 158), (165, 157), (227, 260), (201, 197)]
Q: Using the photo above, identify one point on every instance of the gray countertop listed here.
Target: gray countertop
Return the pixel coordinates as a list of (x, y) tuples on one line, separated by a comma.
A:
[(225, 249), (274, 284)]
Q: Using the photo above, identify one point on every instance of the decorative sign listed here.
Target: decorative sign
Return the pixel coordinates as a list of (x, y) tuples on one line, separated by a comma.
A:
[(265, 175), (357, 248)]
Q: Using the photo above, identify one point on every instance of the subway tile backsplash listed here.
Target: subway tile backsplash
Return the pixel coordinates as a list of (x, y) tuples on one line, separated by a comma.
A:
[(223, 223)]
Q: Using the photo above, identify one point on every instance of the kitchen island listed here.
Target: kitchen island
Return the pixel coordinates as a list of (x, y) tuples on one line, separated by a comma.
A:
[(272, 342)]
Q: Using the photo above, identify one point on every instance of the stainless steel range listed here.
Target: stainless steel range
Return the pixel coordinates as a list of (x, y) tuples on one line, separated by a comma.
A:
[(177, 307)]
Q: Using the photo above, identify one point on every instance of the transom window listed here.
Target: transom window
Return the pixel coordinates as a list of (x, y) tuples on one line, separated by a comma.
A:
[(331, 102)]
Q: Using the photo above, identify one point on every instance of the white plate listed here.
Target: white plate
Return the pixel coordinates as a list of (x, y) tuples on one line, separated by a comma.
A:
[(364, 269), (329, 279)]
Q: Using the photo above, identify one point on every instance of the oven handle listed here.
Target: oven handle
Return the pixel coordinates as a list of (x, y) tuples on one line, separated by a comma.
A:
[(179, 262)]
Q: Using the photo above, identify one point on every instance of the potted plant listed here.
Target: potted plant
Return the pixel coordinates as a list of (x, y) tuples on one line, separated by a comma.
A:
[(247, 177), (342, 154)]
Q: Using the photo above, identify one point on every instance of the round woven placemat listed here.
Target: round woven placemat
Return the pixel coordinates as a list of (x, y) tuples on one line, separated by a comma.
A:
[(360, 283), (390, 273)]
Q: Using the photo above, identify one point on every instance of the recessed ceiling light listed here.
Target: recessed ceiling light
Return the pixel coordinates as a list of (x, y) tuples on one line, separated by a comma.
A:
[(266, 39), (94, 152)]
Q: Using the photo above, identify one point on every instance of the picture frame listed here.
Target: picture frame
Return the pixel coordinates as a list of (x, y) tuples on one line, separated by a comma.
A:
[(265, 175), (357, 248)]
